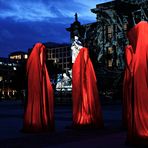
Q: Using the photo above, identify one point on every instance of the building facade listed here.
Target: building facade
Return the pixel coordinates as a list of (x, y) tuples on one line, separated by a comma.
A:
[(12, 75), (60, 57), (112, 24), (106, 38)]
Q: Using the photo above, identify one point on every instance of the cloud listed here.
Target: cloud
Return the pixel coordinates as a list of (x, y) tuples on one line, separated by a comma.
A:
[(25, 22), (23, 35), (25, 11), (40, 10)]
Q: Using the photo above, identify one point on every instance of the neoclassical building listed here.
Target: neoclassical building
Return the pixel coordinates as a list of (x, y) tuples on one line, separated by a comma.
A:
[(106, 38)]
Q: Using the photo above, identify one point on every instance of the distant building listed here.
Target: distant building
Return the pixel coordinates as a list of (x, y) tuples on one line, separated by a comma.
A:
[(19, 55), (12, 74), (60, 56)]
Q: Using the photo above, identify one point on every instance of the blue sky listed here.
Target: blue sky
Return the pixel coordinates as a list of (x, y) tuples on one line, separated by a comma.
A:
[(25, 22)]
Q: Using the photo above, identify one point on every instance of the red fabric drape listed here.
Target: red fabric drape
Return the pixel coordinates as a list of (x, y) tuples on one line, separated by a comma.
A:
[(86, 103), (39, 114), (127, 84), (138, 119)]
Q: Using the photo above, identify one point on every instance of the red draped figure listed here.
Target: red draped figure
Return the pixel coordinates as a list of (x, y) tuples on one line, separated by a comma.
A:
[(86, 103), (138, 117), (39, 113), (127, 84)]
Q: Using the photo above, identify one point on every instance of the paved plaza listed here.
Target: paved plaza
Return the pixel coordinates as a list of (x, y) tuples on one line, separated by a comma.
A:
[(11, 118)]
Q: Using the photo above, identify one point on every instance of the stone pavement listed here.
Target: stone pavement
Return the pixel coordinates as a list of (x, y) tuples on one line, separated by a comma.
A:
[(11, 118)]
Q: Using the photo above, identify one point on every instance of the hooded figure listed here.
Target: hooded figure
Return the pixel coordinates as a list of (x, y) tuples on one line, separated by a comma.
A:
[(127, 84), (86, 103), (138, 115), (39, 113)]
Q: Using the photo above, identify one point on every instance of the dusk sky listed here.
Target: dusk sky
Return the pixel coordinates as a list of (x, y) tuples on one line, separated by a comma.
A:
[(26, 22)]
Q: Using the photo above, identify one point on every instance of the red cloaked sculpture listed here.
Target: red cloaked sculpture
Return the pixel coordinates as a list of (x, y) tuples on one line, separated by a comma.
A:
[(138, 118), (127, 84), (86, 103), (39, 113)]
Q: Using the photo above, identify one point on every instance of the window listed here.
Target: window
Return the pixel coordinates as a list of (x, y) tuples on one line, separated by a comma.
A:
[(25, 56), (1, 78)]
